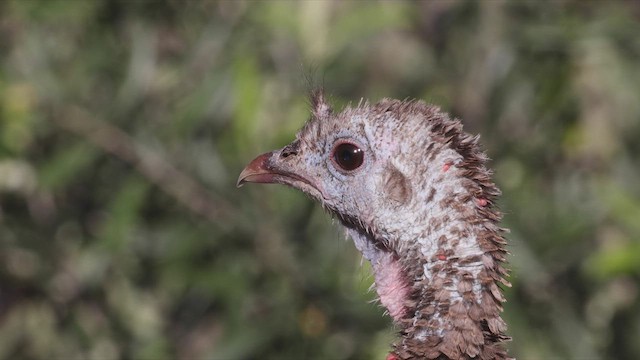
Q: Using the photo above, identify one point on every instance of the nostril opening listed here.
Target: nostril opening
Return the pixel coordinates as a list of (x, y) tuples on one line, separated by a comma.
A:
[(285, 154), (289, 150)]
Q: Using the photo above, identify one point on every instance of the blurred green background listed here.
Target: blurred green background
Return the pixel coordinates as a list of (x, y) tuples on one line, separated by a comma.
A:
[(124, 125)]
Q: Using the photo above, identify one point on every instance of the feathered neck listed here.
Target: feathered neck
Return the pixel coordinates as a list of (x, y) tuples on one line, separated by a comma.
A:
[(438, 267)]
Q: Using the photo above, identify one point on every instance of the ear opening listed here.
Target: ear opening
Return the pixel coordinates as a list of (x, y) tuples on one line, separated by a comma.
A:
[(397, 187)]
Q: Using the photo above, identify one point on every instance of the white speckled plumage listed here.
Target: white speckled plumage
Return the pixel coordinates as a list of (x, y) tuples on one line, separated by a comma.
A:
[(420, 208)]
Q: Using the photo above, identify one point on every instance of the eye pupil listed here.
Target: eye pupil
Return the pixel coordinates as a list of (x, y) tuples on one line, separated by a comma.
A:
[(348, 156)]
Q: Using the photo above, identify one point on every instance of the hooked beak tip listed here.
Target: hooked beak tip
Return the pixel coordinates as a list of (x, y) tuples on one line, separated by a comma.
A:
[(258, 171)]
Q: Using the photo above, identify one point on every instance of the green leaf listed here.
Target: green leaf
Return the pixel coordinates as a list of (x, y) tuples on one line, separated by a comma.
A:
[(66, 165)]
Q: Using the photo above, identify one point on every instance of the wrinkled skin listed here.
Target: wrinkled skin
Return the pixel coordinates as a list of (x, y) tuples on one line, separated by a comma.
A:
[(418, 203)]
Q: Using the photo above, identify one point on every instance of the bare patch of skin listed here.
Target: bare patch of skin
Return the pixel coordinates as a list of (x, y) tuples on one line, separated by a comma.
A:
[(391, 285)]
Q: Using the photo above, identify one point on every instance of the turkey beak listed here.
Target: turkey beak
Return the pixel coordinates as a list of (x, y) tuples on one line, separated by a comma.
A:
[(280, 167), (259, 171)]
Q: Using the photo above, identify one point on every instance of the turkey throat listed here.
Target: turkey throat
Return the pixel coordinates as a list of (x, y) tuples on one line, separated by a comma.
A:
[(443, 294), (392, 283)]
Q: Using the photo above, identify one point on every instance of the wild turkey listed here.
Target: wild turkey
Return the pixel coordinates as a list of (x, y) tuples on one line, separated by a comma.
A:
[(414, 194)]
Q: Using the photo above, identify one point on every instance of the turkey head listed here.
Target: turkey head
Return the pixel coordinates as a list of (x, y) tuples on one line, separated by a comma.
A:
[(413, 192)]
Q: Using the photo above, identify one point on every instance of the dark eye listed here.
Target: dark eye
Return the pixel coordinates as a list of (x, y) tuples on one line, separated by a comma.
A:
[(348, 156)]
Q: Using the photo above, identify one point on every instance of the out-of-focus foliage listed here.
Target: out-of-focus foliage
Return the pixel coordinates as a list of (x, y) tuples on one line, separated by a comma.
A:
[(124, 124)]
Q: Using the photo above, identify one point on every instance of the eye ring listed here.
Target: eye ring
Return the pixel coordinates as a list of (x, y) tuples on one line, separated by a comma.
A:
[(347, 156)]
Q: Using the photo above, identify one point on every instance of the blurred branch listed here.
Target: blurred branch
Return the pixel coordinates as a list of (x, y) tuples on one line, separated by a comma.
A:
[(177, 184)]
